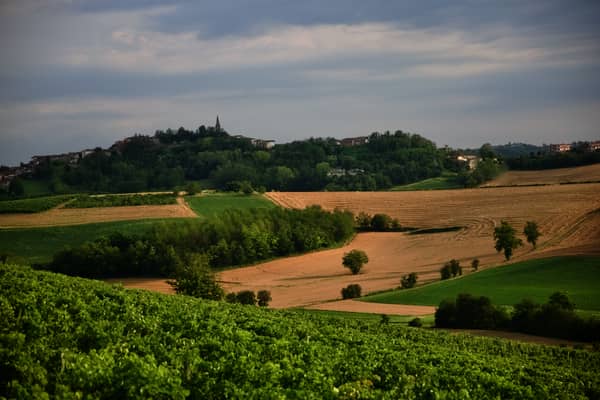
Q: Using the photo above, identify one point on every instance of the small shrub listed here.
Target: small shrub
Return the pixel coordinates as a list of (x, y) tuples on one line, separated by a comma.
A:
[(475, 264), (246, 297), (264, 297), (354, 260), (451, 269), (351, 291), (445, 272), (381, 222), (231, 298), (409, 281)]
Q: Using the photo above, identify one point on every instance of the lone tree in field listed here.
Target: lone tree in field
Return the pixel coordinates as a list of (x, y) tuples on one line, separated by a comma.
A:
[(532, 233), (475, 264), (506, 239), (409, 281), (354, 260)]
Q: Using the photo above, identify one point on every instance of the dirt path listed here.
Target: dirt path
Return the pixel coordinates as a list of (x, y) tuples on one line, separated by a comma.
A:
[(78, 216), (373, 308)]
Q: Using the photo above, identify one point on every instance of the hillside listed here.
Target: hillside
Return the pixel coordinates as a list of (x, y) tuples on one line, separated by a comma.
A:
[(588, 173), (70, 337), (507, 285)]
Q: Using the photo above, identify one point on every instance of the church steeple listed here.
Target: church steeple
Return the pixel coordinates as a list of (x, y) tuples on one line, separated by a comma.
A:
[(218, 125)]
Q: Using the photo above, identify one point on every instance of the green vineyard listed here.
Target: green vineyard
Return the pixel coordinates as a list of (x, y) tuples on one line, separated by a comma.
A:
[(76, 338)]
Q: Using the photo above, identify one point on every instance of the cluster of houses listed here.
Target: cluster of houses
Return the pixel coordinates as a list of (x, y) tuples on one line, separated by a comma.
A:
[(7, 174), (585, 146)]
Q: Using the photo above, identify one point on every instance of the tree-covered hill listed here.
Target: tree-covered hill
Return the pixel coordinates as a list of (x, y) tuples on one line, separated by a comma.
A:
[(170, 158), (73, 338)]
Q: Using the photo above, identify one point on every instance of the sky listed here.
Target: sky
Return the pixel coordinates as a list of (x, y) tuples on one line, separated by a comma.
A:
[(77, 74)]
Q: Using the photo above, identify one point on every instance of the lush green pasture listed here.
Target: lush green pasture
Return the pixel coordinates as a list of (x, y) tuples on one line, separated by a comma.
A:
[(208, 205), (118, 200), (507, 285), (36, 245), (32, 205), (66, 337), (446, 181)]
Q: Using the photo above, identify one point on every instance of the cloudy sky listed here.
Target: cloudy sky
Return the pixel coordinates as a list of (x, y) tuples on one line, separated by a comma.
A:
[(76, 74)]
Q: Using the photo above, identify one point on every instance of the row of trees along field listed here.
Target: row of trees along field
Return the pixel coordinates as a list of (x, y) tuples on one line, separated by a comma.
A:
[(65, 337), (171, 158), (556, 318), (236, 237)]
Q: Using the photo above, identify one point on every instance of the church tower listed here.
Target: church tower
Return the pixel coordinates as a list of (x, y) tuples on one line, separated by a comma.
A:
[(218, 125)]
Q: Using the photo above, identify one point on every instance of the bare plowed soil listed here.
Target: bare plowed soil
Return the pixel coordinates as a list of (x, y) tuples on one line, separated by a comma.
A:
[(588, 173), (374, 308), (78, 216)]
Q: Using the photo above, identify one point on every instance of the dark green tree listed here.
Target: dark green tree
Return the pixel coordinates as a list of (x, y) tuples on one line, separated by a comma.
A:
[(561, 300), (195, 278), (506, 239), (264, 297), (475, 264), (409, 281), (246, 297), (532, 233), (446, 272), (363, 220), (351, 291), (381, 222), (354, 260)]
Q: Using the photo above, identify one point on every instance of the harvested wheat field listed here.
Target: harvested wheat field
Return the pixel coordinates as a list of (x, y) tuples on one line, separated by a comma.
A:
[(588, 173), (567, 217), (77, 216)]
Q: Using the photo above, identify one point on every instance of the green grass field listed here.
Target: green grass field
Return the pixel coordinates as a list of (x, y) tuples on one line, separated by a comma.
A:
[(507, 285), (446, 181), (32, 205), (36, 245), (214, 204)]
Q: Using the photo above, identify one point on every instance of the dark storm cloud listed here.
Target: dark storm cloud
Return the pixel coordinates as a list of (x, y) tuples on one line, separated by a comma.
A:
[(79, 72)]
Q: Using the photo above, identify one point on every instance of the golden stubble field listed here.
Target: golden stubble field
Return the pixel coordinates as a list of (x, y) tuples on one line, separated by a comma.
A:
[(77, 216), (567, 215), (588, 173)]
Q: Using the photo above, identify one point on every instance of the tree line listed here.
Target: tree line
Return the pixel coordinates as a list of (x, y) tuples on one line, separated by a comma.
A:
[(556, 318), (236, 237)]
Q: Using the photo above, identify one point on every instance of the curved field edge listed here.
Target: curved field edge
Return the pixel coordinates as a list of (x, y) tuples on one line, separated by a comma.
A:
[(509, 284), (66, 335)]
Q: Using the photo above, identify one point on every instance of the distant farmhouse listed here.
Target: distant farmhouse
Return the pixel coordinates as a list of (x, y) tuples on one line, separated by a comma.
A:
[(354, 141), (581, 146), (471, 161), (560, 148)]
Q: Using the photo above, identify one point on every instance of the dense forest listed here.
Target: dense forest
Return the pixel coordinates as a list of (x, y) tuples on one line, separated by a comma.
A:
[(173, 157)]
